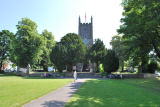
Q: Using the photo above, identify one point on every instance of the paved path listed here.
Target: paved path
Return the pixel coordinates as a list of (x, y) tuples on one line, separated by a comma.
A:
[(57, 98)]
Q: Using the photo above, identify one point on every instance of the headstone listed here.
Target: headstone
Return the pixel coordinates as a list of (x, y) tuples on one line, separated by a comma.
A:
[(74, 67)]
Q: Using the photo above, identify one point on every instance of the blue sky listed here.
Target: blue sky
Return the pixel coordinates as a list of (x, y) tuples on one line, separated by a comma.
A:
[(61, 16)]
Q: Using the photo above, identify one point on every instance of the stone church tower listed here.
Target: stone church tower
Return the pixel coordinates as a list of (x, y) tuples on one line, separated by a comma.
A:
[(85, 30)]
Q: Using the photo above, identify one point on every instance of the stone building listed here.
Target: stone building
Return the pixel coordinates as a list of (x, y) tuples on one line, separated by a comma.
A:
[(85, 30)]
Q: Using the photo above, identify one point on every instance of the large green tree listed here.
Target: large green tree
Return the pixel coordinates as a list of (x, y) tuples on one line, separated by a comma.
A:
[(5, 39), (110, 62), (47, 48), (27, 44), (141, 28), (75, 49), (120, 49), (142, 22), (58, 56), (97, 52)]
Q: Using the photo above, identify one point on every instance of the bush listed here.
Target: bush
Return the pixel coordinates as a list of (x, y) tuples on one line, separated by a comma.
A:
[(101, 69), (111, 62), (152, 67), (104, 73)]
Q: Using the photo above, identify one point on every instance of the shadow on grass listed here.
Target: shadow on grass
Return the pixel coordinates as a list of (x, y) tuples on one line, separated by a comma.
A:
[(7, 74), (112, 93), (26, 77)]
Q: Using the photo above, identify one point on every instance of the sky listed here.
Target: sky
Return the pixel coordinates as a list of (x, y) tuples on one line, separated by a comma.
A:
[(61, 16)]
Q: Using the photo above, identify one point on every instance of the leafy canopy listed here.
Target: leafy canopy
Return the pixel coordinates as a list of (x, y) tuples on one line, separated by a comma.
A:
[(27, 43), (5, 39)]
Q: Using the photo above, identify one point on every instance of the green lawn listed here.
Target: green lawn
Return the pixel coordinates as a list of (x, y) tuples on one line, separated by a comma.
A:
[(16, 91), (118, 93)]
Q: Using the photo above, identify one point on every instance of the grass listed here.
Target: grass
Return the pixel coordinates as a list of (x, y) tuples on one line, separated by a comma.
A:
[(16, 91), (118, 93)]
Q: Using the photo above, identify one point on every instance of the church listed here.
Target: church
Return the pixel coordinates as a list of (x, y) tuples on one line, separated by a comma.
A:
[(85, 30)]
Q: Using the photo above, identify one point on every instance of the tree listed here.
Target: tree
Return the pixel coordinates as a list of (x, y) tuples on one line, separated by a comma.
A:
[(117, 46), (5, 38), (152, 67), (141, 24), (140, 30), (58, 55), (47, 48), (97, 52), (27, 44), (75, 49), (111, 62)]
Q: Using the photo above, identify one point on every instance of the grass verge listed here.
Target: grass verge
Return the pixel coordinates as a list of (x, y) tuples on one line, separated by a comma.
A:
[(118, 93), (16, 91)]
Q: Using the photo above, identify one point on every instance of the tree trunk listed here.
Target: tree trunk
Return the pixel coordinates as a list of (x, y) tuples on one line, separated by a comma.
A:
[(122, 67), (139, 69), (1, 63), (55, 69), (144, 65), (97, 67), (28, 70), (18, 68), (45, 68)]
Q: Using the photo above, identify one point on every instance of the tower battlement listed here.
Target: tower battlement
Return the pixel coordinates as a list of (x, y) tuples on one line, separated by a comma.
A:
[(85, 30)]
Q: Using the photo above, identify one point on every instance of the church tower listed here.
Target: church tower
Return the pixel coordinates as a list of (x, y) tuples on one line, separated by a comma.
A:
[(85, 30)]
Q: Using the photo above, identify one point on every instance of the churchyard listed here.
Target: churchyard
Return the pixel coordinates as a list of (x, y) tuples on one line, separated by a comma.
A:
[(125, 72), (16, 91), (118, 93)]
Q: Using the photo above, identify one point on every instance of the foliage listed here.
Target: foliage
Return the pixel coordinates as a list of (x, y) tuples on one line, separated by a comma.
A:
[(152, 67), (75, 49), (118, 47), (87, 55), (101, 69), (26, 47), (58, 55), (47, 49), (111, 62), (26, 89), (104, 93), (103, 73), (141, 29), (97, 52), (5, 39)]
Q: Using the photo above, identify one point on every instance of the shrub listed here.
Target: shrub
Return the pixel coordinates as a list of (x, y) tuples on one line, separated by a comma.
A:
[(104, 73), (111, 62), (101, 69)]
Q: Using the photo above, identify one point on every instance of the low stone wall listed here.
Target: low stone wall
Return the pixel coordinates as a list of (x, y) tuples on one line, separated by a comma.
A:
[(21, 74), (132, 76), (36, 74), (68, 75), (147, 75), (142, 75), (86, 75)]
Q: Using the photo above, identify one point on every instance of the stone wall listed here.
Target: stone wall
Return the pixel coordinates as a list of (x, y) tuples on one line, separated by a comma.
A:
[(142, 75), (69, 75)]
